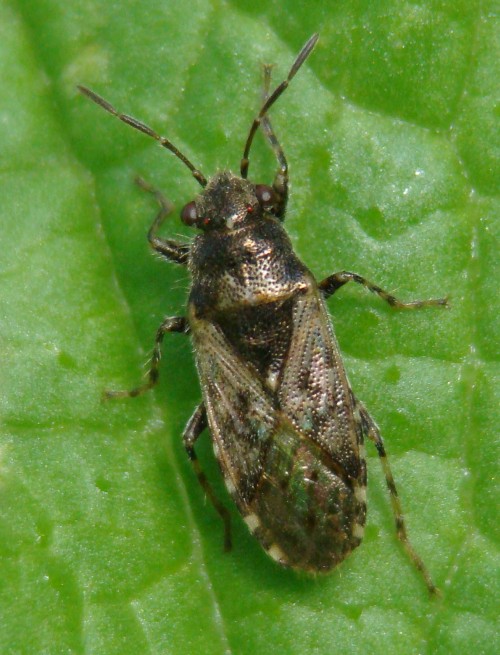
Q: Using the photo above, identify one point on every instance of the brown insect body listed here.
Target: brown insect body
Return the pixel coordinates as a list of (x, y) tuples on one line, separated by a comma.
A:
[(279, 406)]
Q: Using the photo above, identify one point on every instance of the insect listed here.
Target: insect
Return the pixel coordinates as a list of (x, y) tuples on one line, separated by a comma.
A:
[(287, 430)]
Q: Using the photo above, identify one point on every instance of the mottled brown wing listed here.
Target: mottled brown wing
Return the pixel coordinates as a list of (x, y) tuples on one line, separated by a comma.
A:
[(241, 414), (289, 455), (314, 392)]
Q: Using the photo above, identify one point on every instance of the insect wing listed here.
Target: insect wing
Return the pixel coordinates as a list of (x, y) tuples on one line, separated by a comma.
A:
[(299, 490), (240, 411), (314, 392)]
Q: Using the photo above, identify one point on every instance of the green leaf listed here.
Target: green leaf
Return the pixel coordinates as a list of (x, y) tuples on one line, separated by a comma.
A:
[(106, 542)]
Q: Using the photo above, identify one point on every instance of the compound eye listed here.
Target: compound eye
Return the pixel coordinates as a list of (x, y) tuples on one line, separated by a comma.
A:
[(189, 215), (265, 195)]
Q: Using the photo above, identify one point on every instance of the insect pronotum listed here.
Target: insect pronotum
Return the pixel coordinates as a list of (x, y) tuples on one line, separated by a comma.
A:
[(287, 430)]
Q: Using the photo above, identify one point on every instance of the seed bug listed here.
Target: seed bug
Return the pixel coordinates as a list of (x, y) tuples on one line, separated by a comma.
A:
[(287, 430)]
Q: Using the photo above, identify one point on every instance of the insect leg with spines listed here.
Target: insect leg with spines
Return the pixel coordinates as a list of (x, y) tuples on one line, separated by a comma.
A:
[(175, 252), (195, 426), (370, 430), (169, 324), (333, 282), (172, 251)]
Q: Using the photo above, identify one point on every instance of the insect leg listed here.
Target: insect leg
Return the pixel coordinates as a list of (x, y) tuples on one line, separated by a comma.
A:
[(171, 250), (333, 282), (170, 324), (196, 424), (280, 184), (371, 430)]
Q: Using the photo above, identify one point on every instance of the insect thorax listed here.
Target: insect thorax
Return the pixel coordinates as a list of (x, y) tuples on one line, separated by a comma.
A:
[(245, 267), (245, 280)]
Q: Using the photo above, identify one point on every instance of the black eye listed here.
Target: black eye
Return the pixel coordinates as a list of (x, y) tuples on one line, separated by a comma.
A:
[(189, 215), (265, 195)]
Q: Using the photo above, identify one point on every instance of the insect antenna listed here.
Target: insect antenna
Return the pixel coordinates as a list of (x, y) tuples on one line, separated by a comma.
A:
[(301, 57), (133, 122)]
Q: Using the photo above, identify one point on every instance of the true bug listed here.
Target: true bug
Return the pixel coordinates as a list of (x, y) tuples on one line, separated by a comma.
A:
[(287, 430)]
